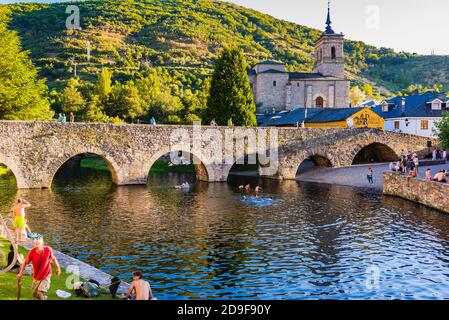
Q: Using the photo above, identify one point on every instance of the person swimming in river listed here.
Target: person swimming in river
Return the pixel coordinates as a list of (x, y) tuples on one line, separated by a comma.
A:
[(184, 185)]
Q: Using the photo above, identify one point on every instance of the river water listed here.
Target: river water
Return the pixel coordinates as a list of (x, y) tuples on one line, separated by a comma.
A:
[(315, 242)]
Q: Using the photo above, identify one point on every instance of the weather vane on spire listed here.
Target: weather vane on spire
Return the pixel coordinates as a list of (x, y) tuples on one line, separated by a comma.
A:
[(328, 21)]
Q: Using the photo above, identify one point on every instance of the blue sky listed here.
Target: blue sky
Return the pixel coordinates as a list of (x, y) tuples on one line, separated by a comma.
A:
[(405, 25)]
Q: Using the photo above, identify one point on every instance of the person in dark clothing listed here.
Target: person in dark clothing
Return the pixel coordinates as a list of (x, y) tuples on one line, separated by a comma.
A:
[(18, 263)]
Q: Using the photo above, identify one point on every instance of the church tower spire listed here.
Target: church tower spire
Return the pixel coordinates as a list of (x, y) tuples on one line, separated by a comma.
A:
[(328, 21), (329, 54)]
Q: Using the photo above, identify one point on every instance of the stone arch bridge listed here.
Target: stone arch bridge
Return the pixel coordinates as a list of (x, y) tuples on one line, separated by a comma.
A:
[(34, 151)]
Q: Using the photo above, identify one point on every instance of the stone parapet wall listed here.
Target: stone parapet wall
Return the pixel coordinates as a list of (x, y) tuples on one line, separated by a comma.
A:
[(431, 194)]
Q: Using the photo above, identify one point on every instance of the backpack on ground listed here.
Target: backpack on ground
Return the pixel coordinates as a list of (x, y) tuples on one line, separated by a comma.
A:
[(90, 289)]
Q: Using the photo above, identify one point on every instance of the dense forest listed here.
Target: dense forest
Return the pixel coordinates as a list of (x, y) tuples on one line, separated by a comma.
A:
[(156, 57)]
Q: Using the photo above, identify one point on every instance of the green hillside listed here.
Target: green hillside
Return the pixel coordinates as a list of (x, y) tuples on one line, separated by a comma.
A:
[(183, 37)]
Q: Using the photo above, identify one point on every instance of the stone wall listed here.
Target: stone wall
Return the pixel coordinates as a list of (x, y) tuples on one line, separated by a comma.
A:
[(431, 194)]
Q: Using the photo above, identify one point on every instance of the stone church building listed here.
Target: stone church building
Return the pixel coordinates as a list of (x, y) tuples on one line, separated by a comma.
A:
[(275, 89)]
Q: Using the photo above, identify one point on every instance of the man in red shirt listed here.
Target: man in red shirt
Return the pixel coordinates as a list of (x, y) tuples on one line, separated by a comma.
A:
[(41, 257)]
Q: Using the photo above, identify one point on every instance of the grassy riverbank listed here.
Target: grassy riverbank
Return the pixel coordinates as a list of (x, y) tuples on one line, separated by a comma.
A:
[(8, 281), (158, 166)]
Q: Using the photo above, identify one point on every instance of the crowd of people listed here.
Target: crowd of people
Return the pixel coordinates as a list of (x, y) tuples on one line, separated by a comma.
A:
[(409, 165), (247, 189)]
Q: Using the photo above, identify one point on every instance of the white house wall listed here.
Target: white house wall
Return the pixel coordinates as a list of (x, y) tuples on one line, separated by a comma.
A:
[(414, 126)]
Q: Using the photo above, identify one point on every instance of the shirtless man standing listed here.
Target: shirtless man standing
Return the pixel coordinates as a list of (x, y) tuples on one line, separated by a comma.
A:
[(141, 288), (19, 217)]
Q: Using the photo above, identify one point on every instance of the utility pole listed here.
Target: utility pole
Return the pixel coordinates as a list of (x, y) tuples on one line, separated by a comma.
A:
[(88, 50)]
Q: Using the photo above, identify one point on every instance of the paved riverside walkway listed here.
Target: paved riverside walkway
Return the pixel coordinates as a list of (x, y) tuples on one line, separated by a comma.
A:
[(355, 176)]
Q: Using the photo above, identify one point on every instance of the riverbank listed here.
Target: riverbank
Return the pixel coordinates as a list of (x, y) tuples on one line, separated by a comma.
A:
[(9, 280), (355, 176), (158, 166)]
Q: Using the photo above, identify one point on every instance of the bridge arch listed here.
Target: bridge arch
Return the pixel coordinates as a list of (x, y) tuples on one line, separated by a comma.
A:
[(373, 152), (204, 171), (57, 163), (15, 169), (314, 159)]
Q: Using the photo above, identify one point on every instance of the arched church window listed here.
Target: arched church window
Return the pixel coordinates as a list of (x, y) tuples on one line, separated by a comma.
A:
[(333, 53), (319, 102)]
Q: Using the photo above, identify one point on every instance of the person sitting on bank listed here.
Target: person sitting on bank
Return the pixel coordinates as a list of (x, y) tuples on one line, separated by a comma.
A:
[(248, 188), (257, 190), (412, 173), (140, 288), (19, 262), (440, 176), (41, 257)]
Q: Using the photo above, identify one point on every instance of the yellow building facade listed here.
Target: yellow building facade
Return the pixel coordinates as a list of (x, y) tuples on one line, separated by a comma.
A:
[(364, 118)]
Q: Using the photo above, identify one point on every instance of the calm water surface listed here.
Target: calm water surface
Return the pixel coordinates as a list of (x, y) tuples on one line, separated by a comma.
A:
[(316, 242)]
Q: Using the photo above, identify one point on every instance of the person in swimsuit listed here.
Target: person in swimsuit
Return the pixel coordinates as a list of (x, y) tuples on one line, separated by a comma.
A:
[(19, 217), (140, 288)]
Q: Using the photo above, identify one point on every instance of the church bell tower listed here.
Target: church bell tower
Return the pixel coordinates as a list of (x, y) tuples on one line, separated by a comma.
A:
[(329, 54)]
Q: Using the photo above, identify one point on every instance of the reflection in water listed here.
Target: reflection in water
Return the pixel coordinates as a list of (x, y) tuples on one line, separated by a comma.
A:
[(317, 241)]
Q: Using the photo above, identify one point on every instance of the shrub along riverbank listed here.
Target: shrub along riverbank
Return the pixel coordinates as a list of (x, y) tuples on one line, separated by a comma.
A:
[(158, 166)]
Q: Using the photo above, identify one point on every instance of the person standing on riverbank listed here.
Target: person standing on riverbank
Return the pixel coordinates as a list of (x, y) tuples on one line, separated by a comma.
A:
[(370, 176), (18, 212), (404, 164), (41, 257), (140, 287), (428, 175), (416, 163)]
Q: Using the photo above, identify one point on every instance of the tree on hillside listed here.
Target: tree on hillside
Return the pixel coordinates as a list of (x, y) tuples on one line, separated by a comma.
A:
[(230, 96), (368, 90), (71, 99), (443, 130), (126, 102), (22, 95), (356, 96), (104, 83)]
